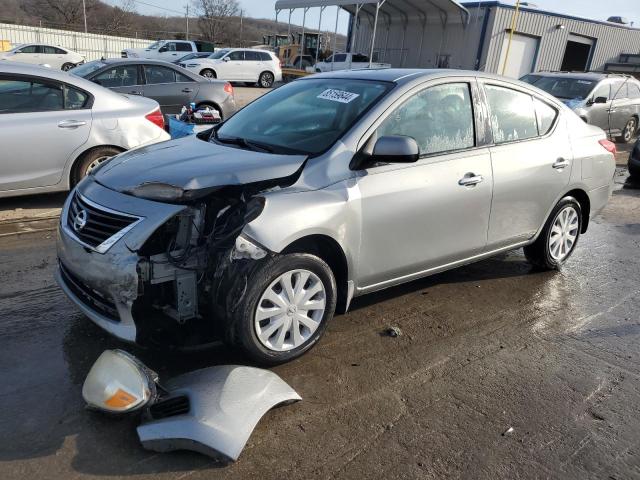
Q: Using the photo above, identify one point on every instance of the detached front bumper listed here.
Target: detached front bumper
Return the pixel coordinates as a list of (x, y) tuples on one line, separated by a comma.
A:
[(105, 283)]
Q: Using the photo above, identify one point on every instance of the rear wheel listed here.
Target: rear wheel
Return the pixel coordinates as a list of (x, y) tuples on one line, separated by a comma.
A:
[(67, 66), (266, 80), (558, 238), (90, 161), (207, 72), (629, 131), (285, 309)]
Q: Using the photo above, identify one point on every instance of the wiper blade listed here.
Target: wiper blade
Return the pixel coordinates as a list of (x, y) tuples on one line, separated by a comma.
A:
[(243, 142)]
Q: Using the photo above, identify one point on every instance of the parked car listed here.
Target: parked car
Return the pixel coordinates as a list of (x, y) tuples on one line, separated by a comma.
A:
[(634, 161), (170, 85), (55, 128), (330, 187), (347, 61), (168, 50), (239, 65), (609, 101), (52, 56), (191, 56)]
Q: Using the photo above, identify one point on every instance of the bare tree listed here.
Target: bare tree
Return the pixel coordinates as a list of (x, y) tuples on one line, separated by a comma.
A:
[(68, 12), (119, 19), (214, 16)]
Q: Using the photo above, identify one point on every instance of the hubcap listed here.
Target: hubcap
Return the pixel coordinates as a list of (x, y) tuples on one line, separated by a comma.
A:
[(208, 74), (95, 163), (564, 233), (290, 310), (266, 80), (629, 131)]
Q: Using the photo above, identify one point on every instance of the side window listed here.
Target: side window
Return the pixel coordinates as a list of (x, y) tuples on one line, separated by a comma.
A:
[(171, 46), (26, 95), (183, 47), (29, 49), (360, 58), (123, 76), (603, 90), (341, 57), (237, 55), (250, 56), (546, 115), (634, 91), (513, 116), (265, 57), (156, 74), (182, 78), (52, 50), (620, 90), (74, 99), (439, 118)]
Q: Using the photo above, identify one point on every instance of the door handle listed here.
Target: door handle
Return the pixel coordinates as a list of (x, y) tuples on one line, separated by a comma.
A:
[(71, 124), (470, 180), (187, 90), (560, 164), (135, 92)]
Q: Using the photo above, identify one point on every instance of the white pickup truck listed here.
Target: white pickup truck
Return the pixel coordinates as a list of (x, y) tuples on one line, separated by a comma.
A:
[(168, 50), (346, 61)]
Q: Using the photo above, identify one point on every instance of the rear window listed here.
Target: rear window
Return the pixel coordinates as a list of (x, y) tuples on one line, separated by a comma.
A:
[(86, 69), (566, 88)]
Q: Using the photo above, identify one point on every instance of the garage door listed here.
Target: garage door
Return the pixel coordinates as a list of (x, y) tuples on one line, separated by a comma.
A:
[(522, 55)]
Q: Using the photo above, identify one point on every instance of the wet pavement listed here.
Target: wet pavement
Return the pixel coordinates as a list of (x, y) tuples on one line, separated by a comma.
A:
[(483, 349)]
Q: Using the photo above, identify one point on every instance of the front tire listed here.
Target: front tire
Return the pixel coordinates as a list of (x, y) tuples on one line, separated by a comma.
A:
[(208, 73), (90, 161), (558, 238), (285, 310), (67, 66)]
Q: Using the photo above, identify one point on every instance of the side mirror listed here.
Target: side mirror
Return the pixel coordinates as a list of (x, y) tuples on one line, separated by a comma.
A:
[(162, 49), (226, 59), (600, 100), (396, 149)]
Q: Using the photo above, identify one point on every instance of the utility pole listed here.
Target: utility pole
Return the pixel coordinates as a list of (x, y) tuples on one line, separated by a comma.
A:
[(187, 16), (84, 11), (241, 18), (514, 24)]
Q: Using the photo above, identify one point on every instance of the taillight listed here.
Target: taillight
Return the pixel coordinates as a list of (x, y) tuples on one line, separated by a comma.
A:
[(228, 88), (156, 118), (609, 146)]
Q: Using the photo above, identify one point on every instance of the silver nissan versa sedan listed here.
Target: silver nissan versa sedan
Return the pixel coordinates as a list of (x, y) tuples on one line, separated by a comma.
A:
[(327, 188)]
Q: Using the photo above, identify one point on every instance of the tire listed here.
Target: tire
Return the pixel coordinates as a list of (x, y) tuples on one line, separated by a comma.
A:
[(266, 80), (67, 66), (211, 106), (252, 318), (629, 131), (91, 160), (208, 73), (547, 254)]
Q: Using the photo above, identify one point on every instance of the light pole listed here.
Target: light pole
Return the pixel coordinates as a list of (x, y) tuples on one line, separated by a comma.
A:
[(84, 12), (514, 23)]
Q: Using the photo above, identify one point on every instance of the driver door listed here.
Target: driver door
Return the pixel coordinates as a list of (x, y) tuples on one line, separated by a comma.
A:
[(420, 216)]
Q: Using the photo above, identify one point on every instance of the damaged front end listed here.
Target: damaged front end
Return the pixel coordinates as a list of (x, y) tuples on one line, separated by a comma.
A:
[(159, 265)]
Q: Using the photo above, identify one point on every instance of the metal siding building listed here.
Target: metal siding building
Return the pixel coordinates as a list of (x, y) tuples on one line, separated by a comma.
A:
[(428, 42)]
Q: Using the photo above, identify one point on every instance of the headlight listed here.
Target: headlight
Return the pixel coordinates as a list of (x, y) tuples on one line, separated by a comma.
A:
[(118, 383), (162, 192)]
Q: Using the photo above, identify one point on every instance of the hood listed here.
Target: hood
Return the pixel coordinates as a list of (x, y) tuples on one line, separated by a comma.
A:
[(193, 164)]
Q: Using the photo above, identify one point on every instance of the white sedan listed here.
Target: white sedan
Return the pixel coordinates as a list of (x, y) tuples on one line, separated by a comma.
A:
[(239, 65), (46, 55)]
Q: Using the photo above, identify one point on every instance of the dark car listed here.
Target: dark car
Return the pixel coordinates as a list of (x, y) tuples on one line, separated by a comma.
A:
[(634, 161), (170, 85)]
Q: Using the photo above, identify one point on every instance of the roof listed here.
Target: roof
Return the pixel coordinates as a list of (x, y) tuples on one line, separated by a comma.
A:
[(390, 8), (492, 3), (595, 76)]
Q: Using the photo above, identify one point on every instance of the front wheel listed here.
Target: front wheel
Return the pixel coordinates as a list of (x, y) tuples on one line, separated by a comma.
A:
[(90, 161), (67, 66), (558, 238), (208, 73), (628, 132), (285, 309)]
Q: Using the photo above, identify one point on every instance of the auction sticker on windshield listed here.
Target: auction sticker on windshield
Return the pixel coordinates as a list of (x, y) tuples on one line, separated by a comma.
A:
[(338, 95)]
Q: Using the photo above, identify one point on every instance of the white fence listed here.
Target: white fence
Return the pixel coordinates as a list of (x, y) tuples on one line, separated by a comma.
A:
[(91, 45)]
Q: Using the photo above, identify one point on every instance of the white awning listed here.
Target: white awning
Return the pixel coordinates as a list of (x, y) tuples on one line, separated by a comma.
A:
[(391, 8)]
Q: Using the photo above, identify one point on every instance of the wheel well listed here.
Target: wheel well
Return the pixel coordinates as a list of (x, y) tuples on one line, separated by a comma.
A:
[(330, 251), (585, 205), (80, 157), (211, 69)]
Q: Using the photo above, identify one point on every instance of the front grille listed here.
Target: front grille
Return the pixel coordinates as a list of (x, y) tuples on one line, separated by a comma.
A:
[(88, 296), (97, 224), (169, 407)]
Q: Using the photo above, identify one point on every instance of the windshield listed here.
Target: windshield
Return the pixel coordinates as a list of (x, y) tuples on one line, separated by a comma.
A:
[(306, 116), (87, 68), (154, 46), (566, 88), (219, 53)]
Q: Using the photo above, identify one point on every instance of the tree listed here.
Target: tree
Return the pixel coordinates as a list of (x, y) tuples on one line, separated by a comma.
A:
[(67, 12), (214, 16)]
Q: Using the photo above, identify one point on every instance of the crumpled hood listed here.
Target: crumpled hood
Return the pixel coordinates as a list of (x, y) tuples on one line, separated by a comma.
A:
[(193, 164)]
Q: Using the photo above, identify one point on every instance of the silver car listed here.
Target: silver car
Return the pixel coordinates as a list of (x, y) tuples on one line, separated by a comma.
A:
[(609, 101), (325, 189), (55, 127), (171, 86)]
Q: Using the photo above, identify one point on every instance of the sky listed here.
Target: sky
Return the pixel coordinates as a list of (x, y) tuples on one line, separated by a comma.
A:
[(594, 9)]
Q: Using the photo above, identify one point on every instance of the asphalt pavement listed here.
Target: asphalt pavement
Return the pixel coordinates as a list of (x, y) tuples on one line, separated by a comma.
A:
[(499, 371)]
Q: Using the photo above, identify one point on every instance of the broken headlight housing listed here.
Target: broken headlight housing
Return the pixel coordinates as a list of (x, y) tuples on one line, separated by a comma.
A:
[(162, 192), (119, 383)]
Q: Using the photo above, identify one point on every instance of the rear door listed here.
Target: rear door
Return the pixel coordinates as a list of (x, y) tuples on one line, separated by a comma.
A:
[(621, 107), (52, 56), (531, 159), (43, 125), (253, 65)]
